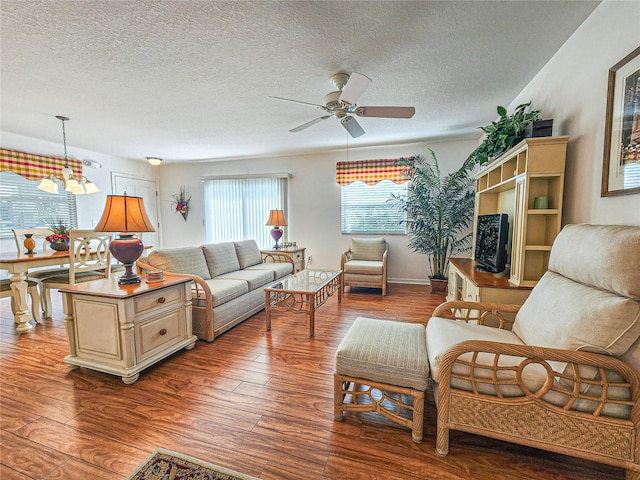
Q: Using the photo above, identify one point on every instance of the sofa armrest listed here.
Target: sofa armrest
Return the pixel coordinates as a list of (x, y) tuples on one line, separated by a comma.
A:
[(600, 380), (277, 257), (476, 312)]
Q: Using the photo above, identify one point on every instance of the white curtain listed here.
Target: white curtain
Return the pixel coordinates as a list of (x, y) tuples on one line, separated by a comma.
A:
[(238, 208)]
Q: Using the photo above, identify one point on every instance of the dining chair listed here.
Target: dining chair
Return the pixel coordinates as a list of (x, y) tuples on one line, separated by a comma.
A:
[(32, 290), (39, 234), (89, 259)]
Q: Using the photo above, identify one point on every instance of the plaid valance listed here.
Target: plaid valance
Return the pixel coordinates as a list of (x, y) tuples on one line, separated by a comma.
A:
[(34, 167), (370, 171)]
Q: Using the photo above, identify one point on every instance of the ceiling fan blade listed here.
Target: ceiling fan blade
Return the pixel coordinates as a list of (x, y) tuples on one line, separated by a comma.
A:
[(308, 124), (352, 126), (298, 101), (356, 85), (386, 112)]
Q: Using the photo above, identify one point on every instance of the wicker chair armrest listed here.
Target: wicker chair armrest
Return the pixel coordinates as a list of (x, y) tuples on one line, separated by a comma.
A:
[(344, 258), (600, 379), (476, 312), (277, 257)]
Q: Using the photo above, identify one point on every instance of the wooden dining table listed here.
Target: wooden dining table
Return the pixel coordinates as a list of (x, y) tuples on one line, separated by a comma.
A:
[(18, 265)]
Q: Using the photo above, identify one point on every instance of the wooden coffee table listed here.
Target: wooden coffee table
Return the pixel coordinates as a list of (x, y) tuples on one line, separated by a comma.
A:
[(303, 292)]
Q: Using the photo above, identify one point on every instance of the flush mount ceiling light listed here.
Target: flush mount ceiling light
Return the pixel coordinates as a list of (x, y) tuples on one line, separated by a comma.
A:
[(76, 184), (155, 161)]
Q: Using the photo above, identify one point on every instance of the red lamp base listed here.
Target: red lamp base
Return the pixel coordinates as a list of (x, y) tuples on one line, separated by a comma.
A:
[(127, 249)]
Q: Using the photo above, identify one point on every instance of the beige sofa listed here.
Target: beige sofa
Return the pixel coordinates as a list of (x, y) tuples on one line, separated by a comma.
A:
[(228, 280), (565, 378)]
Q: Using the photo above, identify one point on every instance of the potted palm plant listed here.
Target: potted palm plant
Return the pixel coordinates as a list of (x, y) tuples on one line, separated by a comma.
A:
[(439, 212)]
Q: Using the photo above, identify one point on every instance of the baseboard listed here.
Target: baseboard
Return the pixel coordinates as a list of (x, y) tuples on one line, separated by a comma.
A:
[(408, 281)]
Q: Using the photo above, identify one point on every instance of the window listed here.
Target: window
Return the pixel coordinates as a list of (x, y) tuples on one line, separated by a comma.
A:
[(24, 206), (631, 175), (365, 208), (366, 187), (238, 208)]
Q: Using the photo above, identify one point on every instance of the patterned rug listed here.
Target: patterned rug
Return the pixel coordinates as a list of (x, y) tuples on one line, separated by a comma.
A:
[(167, 465)]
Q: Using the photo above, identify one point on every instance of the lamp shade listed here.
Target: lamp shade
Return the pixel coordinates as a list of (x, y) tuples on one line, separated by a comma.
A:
[(124, 214), (276, 219)]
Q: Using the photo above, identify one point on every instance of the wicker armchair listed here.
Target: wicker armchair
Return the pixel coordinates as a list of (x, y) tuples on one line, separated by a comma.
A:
[(364, 264), (566, 378)]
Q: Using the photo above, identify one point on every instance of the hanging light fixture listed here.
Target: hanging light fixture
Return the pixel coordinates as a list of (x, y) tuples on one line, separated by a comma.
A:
[(76, 184)]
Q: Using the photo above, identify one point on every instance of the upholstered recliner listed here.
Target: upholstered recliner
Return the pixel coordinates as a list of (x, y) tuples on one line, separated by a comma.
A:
[(565, 378), (365, 264)]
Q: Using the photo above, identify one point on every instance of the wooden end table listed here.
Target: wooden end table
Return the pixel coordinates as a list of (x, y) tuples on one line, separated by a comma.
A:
[(123, 329)]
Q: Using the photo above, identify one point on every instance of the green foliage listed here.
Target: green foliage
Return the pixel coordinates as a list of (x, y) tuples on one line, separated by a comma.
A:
[(439, 210), (504, 133)]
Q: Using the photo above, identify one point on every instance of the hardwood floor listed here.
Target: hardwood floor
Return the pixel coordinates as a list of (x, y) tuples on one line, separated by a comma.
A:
[(256, 402)]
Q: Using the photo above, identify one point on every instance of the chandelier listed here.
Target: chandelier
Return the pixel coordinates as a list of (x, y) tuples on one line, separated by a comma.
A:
[(76, 184)]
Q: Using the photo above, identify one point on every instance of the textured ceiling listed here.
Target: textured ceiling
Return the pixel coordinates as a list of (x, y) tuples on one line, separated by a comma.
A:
[(189, 80)]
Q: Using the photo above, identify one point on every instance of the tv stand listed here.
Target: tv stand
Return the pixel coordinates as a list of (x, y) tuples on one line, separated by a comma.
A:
[(482, 268), (467, 282)]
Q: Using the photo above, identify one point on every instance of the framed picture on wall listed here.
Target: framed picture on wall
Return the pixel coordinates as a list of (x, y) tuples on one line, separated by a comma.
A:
[(621, 163)]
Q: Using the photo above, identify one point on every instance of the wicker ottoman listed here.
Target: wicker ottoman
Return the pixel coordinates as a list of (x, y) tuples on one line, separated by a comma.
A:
[(380, 363)]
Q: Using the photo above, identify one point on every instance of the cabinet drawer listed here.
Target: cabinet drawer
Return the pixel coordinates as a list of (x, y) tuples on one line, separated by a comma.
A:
[(297, 256), (471, 292), (160, 298), (159, 333)]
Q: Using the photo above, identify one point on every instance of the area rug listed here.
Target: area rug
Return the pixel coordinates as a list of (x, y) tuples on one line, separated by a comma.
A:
[(168, 465)]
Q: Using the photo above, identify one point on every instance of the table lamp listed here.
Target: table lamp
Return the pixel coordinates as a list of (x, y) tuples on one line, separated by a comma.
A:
[(127, 216), (276, 218)]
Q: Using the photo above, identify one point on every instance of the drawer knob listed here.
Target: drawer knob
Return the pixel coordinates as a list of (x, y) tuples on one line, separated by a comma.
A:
[(162, 300), (163, 331)]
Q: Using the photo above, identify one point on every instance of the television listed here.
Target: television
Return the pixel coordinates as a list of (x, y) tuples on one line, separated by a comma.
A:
[(492, 233)]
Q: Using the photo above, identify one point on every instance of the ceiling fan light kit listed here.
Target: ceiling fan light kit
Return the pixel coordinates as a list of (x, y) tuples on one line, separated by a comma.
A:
[(341, 104)]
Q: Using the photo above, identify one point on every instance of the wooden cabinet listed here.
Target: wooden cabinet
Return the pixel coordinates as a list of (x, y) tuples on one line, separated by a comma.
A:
[(123, 329), (297, 253), (467, 283), (533, 168), (510, 184)]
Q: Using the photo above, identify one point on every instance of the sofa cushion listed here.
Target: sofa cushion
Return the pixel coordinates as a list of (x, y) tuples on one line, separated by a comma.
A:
[(248, 253), (225, 289), (188, 260), (221, 258), (561, 313), (253, 278), (364, 267), (442, 334), (603, 256), (279, 269), (368, 248)]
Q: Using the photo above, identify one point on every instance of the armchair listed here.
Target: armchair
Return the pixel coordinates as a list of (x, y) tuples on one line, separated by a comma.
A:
[(566, 378), (364, 264)]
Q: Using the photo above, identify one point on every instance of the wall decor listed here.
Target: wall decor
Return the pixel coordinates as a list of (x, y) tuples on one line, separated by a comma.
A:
[(621, 162), (181, 202)]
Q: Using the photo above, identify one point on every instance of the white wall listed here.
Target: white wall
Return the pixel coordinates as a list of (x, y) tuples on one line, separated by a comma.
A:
[(572, 89), (89, 207), (314, 201)]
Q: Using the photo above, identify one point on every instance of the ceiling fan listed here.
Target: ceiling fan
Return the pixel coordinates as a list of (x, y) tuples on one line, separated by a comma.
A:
[(341, 104)]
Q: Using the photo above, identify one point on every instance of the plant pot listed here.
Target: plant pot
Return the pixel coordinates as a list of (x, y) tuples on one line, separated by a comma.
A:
[(439, 286), (59, 246)]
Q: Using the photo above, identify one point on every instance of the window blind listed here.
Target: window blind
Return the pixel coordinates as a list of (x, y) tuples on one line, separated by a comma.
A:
[(22, 205), (238, 208), (365, 208)]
